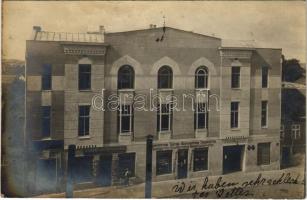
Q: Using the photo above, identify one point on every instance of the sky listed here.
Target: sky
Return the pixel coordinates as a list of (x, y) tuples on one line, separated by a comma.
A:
[(278, 24)]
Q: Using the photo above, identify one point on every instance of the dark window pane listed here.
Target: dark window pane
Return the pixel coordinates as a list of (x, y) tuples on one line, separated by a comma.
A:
[(46, 77), (125, 79), (83, 169), (125, 123), (126, 161), (46, 121), (200, 161), (164, 162), (264, 113), (165, 122), (234, 120), (265, 77), (235, 77), (165, 77), (84, 77), (201, 78)]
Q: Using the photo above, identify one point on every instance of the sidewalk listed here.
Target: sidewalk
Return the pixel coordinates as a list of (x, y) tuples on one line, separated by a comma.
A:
[(164, 188)]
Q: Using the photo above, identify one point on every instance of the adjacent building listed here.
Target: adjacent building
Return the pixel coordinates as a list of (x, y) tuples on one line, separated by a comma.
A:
[(88, 89)]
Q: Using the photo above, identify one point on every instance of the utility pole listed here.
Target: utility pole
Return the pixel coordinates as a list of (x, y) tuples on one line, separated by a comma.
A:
[(148, 182), (70, 171)]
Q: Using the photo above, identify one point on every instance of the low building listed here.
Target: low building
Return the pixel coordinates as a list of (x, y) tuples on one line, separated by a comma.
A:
[(89, 89)]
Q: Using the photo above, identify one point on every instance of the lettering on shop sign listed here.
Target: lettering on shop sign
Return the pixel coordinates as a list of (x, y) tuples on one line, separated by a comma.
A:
[(221, 188), (183, 144)]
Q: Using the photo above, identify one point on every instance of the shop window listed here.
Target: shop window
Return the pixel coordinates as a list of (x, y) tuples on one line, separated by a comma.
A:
[(164, 162), (263, 156), (200, 159)]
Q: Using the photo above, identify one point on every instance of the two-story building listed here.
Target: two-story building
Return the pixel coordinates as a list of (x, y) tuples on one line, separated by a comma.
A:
[(233, 126)]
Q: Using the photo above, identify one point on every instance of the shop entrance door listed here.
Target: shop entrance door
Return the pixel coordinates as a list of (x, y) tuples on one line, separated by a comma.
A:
[(232, 158), (182, 166)]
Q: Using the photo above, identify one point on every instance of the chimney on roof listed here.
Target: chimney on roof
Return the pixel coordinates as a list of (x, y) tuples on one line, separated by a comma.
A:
[(34, 32), (101, 29)]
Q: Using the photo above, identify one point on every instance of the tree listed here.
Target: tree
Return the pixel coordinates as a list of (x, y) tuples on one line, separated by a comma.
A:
[(291, 69)]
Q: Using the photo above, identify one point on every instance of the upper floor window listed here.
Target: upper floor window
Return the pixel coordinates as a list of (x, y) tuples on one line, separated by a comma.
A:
[(201, 116), (84, 77), (235, 77), (201, 78), (125, 119), (84, 120), (234, 121), (46, 77), (125, 79), (264, 114), (164, 118), (296, 131), (265, 73), (165, 78), (46, 120)]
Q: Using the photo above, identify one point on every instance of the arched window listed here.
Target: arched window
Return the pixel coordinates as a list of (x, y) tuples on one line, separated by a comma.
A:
[(125, 79), (165, 77), (201, 77)]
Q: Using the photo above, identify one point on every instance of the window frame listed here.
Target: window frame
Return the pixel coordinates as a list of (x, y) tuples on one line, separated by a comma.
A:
[(45, 119), (206, 166), (46, 77), (84, 118), (260, 159), (121, 73), (121, 115), (236, 114), (264, 80), (236, 75), (84, 76), (196, 117), (161, 113), (134, 163), (169, 80), (296, 131), (170, 167), (205, 75), (264, 110)]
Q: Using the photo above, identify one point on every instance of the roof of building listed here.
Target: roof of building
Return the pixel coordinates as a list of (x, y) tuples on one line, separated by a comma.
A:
[(70, 37), (98, 37)]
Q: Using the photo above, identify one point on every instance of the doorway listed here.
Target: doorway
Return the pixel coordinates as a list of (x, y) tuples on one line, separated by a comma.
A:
[(285, 157), (182, 166), (104, 172), (232, 158)]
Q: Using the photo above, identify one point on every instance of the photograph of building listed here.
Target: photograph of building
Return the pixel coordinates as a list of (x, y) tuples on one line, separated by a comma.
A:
[(239, 131)]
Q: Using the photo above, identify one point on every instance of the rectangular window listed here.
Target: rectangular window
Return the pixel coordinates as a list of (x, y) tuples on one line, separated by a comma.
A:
[(201, 116), (264, 114), (84, 120), (46, 77), (265, 73), (263, 154), (296, 131), (164, 162), (235, 77), (200, 159), (126, 161), (164, 118), (84, 77), (125, 119), (46, 121), (234, 121)]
